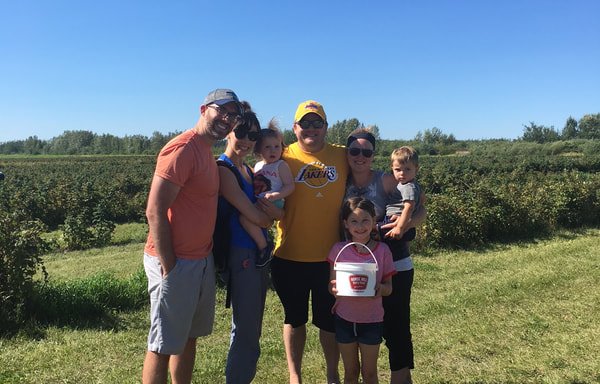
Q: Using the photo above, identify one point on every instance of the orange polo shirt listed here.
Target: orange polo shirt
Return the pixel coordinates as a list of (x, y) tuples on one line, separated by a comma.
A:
[(188, 162)]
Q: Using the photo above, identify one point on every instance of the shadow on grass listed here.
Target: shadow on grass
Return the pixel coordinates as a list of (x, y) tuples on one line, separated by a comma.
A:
[(89, 303)]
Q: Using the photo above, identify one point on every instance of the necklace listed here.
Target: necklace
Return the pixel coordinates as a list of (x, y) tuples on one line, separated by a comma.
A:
[(364, 182), (361, 249)]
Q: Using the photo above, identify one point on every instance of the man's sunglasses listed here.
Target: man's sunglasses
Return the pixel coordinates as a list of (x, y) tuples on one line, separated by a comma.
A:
[(317, 124), (241, 132), (235, 117), (358, 151)]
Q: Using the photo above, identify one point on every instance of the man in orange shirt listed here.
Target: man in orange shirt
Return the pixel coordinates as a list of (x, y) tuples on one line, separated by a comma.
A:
[(181, 213)]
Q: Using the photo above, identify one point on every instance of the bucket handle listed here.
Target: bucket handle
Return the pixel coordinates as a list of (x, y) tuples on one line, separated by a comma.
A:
[(352, 243)]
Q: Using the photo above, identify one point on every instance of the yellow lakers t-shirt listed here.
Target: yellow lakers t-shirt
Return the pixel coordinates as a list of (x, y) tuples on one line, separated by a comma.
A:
[(312, 212)]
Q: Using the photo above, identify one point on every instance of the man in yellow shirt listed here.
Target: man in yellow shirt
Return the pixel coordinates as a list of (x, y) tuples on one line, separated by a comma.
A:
[(306, 234)]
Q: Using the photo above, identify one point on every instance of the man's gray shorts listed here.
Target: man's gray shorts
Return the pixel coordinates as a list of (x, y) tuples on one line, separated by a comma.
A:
[(182, 305)]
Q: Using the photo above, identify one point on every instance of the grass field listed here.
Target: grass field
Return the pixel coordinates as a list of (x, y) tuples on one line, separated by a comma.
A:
[(527, 313)]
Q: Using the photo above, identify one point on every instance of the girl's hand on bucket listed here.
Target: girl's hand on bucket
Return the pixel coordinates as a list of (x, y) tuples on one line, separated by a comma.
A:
[(332, 288), (384, 288), (378, 290)]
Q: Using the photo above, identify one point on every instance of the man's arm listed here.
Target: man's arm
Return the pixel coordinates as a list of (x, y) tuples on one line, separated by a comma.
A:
[(161, 197)]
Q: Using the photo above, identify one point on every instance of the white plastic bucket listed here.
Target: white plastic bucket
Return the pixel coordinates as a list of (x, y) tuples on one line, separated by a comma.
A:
[(355, 279)]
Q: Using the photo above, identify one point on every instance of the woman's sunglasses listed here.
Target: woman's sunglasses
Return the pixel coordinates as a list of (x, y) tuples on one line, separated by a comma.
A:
[(358, 151), (241, 132)]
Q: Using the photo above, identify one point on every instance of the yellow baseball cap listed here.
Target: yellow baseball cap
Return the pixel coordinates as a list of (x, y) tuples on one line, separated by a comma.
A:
[(310, 106)]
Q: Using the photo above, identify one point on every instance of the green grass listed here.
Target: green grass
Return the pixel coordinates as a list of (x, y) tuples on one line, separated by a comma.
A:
[(121, 259), (522, 314), (130, 233), (515, 314)]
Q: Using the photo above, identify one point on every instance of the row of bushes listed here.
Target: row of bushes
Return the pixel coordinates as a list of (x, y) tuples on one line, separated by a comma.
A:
[(64, 189), (52, 189), (86, 196), (524, 206)]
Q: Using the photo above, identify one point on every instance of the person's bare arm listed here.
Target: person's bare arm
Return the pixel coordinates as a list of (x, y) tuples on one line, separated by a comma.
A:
[(270, 209), (402, 223), (287, 180), (384, 288), (231, 191), (420, 212), (161, 197), (389, 183), (332, 281)]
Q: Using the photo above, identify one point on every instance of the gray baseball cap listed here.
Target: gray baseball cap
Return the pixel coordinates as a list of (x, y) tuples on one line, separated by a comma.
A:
[(221, 96)]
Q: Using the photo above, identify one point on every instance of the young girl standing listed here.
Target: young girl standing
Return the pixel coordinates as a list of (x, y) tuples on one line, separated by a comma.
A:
[(273, 181), (359, 320)]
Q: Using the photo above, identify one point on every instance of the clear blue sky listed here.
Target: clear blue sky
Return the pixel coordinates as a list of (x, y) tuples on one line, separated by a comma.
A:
[(474, 68)]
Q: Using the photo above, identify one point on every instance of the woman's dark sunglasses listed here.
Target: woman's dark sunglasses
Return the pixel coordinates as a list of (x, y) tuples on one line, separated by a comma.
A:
[(317, 124), (357, 151), (241, 132)]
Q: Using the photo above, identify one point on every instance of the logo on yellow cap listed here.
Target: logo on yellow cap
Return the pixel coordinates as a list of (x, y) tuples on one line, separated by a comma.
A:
[(309, 106)]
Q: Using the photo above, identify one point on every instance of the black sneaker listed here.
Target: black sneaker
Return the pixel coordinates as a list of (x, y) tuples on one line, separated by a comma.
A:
[(263, 257)]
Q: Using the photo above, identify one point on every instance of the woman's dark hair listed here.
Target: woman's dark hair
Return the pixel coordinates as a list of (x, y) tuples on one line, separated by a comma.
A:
[(361, 133), (249, 118), (271, 131), (354, 203)]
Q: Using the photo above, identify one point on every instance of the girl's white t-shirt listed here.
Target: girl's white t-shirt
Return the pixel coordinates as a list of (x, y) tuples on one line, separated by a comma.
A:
[(271, 172)]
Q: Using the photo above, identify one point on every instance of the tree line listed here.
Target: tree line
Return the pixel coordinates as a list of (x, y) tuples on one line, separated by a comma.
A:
[(588, 127), (430, 141), (88, 143)]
